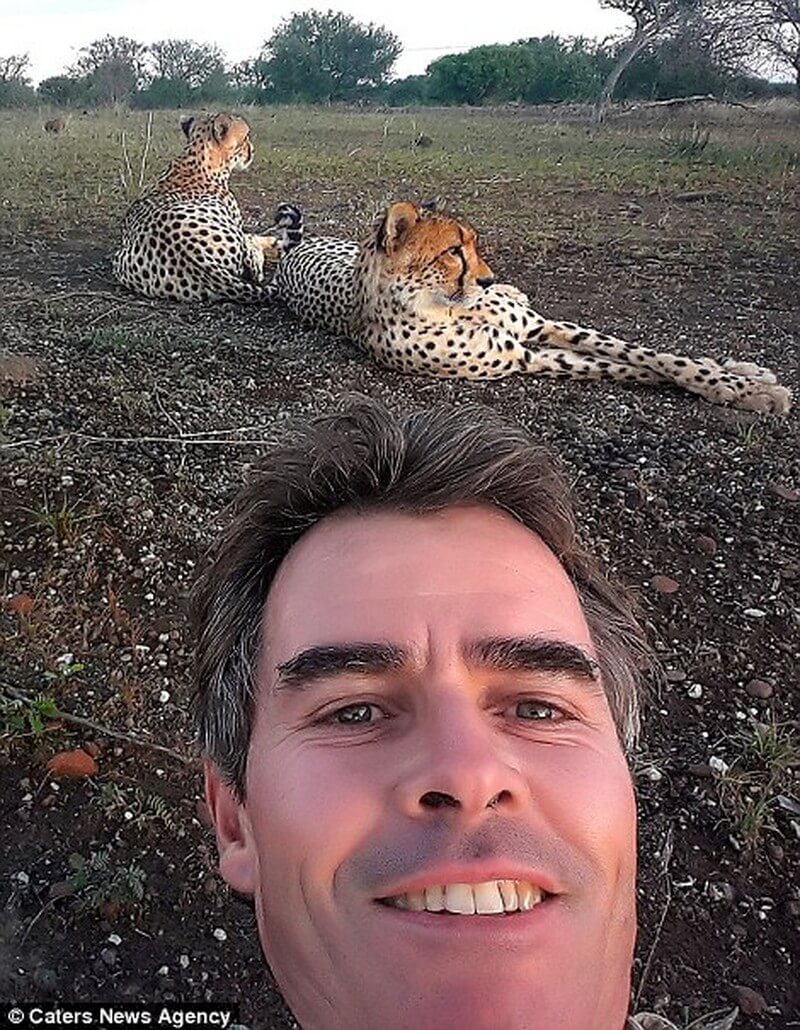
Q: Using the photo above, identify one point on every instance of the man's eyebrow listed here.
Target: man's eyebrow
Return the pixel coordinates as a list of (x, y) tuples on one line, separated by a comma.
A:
[(322, 661), (534, 654)]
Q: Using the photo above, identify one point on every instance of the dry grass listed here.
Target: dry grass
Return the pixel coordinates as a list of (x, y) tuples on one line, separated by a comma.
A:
[(349, 163)]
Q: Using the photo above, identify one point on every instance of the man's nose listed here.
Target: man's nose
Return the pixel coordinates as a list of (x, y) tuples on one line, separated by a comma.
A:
[(461, 769)]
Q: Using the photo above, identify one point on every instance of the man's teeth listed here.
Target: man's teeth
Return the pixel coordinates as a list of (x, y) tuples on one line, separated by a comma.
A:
[(468, 899)]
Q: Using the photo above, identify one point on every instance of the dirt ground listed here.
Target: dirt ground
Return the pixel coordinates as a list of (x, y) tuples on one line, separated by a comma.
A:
[(126, 426)]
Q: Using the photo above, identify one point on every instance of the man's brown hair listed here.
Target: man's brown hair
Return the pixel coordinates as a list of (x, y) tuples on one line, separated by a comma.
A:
[(364, 459)]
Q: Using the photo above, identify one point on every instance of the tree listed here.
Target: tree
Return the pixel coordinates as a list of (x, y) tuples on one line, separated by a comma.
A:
[(186, 61), (14, 67), (15, 87), (65, 91), (324, 56), (687, 64), (163, 93), (534, 71), (652, 19), (114, 66), (774, 27)]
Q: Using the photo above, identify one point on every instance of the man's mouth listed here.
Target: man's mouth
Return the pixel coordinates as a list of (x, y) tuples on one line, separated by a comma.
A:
[(492, 897)]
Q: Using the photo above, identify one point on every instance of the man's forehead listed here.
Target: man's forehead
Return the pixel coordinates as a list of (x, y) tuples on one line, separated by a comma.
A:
[(468, 571), (458, 526)]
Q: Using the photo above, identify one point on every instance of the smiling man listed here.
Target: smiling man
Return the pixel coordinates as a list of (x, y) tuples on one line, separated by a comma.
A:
[(416, 691)]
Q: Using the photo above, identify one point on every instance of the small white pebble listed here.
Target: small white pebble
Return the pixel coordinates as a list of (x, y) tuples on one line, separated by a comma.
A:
[(653, 774), (163, 697), (23, 878), (719, 765), (695, 691), (163, 971), (754, 613), (184, 961), (67, 481), (220, 934), (128, 816), (114, 938)]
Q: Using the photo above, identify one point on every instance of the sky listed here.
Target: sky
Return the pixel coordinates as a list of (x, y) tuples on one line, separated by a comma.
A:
[(52, 31)]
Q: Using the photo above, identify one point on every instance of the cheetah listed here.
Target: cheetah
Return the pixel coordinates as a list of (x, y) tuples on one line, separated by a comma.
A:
[(184, 238), (418, 296)]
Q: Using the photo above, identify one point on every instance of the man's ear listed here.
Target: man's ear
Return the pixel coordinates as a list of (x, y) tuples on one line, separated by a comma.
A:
[(399, 220), (186, 124), (238, 860)]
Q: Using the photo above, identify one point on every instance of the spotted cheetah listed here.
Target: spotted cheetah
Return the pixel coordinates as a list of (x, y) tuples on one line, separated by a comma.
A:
[(418, 297), (184, 238)]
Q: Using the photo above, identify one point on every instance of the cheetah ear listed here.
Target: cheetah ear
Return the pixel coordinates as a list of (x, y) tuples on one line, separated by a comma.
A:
[(220, 127), (186, 125), (399, 220)]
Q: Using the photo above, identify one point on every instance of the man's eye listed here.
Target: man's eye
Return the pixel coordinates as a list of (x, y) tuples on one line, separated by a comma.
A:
[(537, 711), (355, 715)]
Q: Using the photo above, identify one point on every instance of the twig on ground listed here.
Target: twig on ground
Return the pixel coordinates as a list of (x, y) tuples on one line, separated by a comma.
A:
[(172, 421), (96, 727), (666, 858), (210, 437), (146, 151), (126, 179), (37, 298), (36, 919)]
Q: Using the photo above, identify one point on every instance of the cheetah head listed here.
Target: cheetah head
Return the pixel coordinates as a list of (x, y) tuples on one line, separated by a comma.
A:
[(422, 251), (223, 140)]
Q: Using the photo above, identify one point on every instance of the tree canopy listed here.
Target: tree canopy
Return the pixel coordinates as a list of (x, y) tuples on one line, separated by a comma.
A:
[(324, 56)]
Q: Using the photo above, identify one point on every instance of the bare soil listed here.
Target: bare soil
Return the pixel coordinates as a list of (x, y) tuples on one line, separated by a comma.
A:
[(127, 425)]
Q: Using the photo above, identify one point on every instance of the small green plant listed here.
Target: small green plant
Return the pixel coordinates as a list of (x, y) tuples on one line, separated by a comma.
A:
[(765, 757), (139, 808), (61, 521), (66, 670), (687, 144), (110, 339), (749, 436), (98, 881), (21, 718)]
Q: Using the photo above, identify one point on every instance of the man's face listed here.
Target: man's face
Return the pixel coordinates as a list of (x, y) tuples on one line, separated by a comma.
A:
[(431, 738)]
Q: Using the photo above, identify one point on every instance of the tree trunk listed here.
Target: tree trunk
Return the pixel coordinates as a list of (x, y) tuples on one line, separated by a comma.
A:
[(640, 39)]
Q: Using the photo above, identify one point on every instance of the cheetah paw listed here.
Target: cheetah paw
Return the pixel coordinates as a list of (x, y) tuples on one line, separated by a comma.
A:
[(749, 370), (765, 398)]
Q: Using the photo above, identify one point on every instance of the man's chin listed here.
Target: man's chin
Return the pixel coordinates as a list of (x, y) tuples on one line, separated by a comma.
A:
[(403, 999)]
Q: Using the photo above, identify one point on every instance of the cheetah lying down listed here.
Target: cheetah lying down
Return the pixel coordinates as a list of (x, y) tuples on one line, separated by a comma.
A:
[(418, 296)]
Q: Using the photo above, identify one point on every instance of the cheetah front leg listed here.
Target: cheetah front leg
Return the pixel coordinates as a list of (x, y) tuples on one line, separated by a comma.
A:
[(704, 376), (485, 351), (740, 384), (259, 252)]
